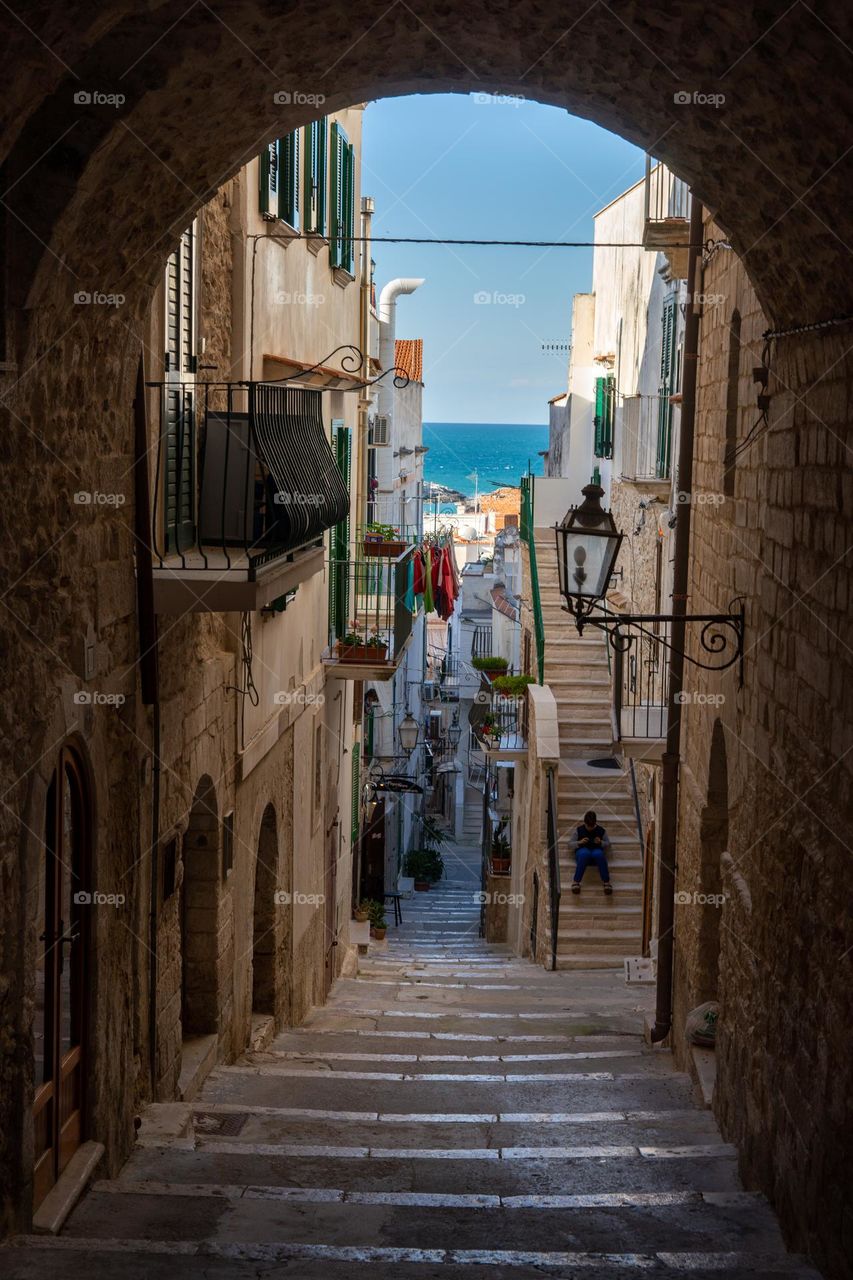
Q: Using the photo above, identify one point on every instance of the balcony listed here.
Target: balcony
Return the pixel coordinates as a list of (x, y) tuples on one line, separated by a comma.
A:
[(640, 676), (666, 226), (246, 485), (499, 723), (373, 607)]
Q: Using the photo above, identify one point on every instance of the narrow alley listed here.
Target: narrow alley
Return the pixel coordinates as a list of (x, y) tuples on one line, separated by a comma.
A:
[(450, 1108)]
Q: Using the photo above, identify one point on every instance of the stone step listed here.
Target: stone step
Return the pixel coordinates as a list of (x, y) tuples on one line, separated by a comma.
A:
[(590, 940)]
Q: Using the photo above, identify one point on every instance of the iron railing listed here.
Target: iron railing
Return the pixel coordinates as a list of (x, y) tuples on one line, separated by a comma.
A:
[(500, 721), (245, 475), (527, 535), (554, 885), (376, 604), (640, 685), (667, 197), (481, 641)]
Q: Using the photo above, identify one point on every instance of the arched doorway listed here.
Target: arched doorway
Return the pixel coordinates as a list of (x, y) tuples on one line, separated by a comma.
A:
[(200, 895), (62, 973), (264, 948)]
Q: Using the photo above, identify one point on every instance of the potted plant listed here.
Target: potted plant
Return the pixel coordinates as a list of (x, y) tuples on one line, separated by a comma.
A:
[(383, 540), (490, 667), (425, 866), (362, 911), (378, 923), (512, 686), (353, 647)]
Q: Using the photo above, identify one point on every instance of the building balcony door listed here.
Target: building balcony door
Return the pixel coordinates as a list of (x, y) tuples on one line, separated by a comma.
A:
[(62, 975)]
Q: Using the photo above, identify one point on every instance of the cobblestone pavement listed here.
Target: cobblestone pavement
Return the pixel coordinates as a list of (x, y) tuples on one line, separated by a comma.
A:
[(451, 1112)]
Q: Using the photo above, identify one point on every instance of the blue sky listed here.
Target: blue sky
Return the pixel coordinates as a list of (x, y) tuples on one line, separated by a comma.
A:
[(459, 166)]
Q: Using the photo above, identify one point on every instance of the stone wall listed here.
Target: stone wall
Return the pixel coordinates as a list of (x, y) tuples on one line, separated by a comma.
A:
[(765, 780)]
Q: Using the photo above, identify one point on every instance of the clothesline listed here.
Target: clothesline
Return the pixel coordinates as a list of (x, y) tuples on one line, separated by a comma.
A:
[(436, 577)]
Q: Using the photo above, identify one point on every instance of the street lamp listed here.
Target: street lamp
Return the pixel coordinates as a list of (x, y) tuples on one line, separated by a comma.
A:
[(588, 543), (407, 734), (454, 732)]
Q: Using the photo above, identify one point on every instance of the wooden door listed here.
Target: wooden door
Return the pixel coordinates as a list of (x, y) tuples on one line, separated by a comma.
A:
[(61, 1019)]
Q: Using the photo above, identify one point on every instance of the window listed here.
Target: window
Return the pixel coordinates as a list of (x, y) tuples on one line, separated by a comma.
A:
[(168, 866), (732, 378), (314, 203), (668, 387), (227, 843), (342, 206), (605, 397), (279, 180)]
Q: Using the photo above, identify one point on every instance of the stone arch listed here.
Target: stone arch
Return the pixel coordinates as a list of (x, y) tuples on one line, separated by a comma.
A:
[(106, 196), (201, 1003), (265, 975), (713, 839)]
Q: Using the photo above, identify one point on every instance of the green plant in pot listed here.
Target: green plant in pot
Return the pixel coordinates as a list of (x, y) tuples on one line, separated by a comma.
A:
[(512, 686), (383, 540), (378, 923), (501, 852), (490, 667), (425, 866), (362, 911)]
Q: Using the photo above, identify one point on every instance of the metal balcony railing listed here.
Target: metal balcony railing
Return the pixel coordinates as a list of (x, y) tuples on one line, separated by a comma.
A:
[(640, 676), (499, 722), (244, 475), (373, 607)]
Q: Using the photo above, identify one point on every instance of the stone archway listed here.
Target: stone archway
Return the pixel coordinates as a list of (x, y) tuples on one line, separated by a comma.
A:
[(201, 1004), (265, 974)]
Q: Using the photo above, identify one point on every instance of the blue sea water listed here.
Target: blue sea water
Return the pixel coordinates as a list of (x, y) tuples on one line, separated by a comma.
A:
[(497, 452)]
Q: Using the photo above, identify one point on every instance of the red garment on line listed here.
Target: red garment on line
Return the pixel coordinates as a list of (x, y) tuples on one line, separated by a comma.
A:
[(419, 573)]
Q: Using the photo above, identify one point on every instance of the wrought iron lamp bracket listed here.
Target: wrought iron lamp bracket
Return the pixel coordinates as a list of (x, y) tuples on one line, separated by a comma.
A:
[(721, 635)]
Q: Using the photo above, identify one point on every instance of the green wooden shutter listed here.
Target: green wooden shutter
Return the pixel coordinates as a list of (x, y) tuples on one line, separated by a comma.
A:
[(355, 821), (288, 196), (269, 184), (339, 543), (316, 144), (668, 358), (349, 208), (605, 398), (179, 467), (342, 200)]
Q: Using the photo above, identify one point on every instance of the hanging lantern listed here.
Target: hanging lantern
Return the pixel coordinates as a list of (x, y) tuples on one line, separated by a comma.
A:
[(588, 543), (407, 733)]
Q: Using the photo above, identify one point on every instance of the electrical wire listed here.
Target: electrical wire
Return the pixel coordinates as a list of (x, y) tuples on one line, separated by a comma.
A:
[(498, 244)]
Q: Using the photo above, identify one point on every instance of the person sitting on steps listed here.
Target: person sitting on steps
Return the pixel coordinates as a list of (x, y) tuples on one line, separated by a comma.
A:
[(592, 843)]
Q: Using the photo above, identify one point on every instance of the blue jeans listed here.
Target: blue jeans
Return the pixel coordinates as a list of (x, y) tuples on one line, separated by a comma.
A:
[(587, 856)]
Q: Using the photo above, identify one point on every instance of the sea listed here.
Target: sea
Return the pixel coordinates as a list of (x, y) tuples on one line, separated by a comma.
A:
[(486, 454)]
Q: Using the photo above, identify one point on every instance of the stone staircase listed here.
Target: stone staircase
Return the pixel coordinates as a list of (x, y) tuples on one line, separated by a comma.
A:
[(596, 932)]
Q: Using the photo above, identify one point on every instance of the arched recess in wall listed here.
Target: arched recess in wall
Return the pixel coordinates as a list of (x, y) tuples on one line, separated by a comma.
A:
[(713, 838), (200, 979), (264, 935), (731, 426)]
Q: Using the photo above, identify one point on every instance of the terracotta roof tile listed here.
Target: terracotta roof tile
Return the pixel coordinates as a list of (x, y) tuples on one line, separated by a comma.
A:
[(409, 356)]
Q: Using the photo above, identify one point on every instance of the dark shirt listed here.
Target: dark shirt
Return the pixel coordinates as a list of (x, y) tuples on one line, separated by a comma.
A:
[(583, 831)]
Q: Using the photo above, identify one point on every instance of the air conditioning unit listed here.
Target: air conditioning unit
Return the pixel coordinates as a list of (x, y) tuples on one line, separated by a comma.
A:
[(429, 691), (379, 432)]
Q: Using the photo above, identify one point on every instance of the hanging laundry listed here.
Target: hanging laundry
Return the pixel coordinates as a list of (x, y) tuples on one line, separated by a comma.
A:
[(418, 562), (429, 603)]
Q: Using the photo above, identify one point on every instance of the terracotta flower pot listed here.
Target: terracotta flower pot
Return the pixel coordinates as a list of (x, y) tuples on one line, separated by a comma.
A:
[(388, 550), (493, 675), (361, 652), (500, 866), (362, 916), (422, 886), (378, 934)]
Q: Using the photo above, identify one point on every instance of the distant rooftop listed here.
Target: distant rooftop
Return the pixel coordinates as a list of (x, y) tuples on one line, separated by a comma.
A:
[(409, 356)]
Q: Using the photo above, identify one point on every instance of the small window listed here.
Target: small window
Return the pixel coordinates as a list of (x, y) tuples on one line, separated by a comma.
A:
[(342, 201), (227, 844), (316, 165)]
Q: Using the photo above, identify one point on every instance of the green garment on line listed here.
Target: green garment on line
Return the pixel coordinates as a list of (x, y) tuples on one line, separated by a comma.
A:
[(429, 603)]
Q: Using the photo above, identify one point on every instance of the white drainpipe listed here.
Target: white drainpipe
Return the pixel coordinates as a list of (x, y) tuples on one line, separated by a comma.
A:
[(389, 466)]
